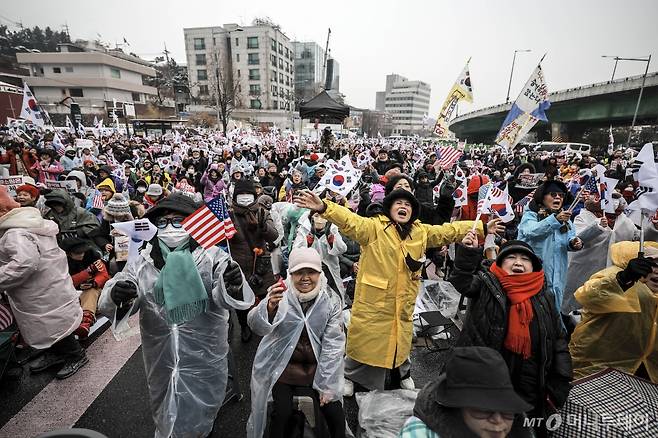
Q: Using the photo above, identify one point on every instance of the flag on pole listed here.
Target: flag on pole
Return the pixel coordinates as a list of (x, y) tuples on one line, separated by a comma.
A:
[(57, 144), (461, 90), (519, 207), (611, 142), (447, 156), (139, 230), (461, 191), (606, 188), (81, 130), (30, 109), (495, 200), (97, 201), (644, 167), (211, 223), (70, 126), (529, 108), (341, 177)]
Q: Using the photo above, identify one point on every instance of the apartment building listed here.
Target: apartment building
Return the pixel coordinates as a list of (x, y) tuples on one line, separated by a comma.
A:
[(407, 101)]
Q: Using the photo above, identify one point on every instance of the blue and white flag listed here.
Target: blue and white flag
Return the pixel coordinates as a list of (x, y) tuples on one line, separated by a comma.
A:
[(529, 108)]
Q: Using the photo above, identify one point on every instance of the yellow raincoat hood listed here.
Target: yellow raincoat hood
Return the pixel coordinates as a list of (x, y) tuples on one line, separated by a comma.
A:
[(618, 328)]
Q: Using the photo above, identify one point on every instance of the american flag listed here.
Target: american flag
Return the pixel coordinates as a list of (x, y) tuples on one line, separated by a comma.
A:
[(97, 201), (591, 188), (447, 156), (6, 317), (520, 206), (487, 191), (211, 223)]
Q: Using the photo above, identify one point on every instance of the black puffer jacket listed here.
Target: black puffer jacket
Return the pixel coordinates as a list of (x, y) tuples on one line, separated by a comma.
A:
[(548, 371)]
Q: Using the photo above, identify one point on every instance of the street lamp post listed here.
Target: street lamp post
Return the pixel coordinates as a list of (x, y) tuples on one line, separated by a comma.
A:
[(509, 86), (646, 59)]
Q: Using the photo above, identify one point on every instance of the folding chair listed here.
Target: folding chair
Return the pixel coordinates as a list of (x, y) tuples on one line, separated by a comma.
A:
[(432, 325)]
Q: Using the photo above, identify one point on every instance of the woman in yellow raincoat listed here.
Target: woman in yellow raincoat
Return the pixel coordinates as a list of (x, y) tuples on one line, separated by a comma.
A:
[(620, 315), (392, 247)]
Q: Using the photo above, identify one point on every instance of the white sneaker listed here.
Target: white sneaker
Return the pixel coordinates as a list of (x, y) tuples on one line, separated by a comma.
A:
[(407, 383), (348, 388)]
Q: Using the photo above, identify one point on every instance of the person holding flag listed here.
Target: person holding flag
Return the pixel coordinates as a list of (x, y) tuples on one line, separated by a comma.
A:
[(183, 293), (393, 245)]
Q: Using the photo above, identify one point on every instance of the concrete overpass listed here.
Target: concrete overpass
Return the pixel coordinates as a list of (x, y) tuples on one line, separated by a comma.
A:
[(573, 111)]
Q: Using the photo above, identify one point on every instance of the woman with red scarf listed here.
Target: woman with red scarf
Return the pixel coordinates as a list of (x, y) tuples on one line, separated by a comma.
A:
[(511, 310)]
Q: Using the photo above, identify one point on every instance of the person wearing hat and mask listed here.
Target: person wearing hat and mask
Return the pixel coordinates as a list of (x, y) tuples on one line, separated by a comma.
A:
[(302, 346), (546, 226), (619, 315), (183, 293), (113, 242), (141, 188), (70, 159), (472, 398), (393, 246), (213, 184), (70, 218), (512, 310), (294, 183), (255, 232), (32, 268), (89, 275)]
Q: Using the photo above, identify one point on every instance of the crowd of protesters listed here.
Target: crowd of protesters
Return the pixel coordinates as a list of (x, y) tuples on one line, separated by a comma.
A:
[(327, 281)]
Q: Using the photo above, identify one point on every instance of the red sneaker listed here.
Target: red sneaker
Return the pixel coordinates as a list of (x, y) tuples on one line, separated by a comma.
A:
[(88, 319)]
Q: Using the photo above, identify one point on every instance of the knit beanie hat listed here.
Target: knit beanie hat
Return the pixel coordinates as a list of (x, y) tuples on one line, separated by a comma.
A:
[(7, 203), (244, 186), (118, 209)]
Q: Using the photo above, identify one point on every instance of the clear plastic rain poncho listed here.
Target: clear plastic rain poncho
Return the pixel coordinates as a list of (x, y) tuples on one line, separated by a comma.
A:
[(186, 364), (323, 322)]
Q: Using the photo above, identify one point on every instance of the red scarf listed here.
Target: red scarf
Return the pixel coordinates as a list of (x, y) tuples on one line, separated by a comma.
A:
[(519, 288)]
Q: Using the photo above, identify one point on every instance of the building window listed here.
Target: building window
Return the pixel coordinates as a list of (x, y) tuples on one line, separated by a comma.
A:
[(254, 74), (75, 92), (287, 53), (237, 57), (281, 63), (273, 60), (203, 90), (274, 90), (252, 59), (273, 76), (254, 90), (68, 69), (63, 91), (273, 44), (115, 73), (202, 75), (136, 97), (199, 44), (200, 59), (287, 67), (57, 69), (255, 104), (281, 78), (238, 72), (41, 70), (252, 42), (275, 105), (237, 43), (280, 49)]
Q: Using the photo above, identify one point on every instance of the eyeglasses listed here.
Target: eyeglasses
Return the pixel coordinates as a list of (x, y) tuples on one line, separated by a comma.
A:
[(556, 194), (176, 222), (485, 415)]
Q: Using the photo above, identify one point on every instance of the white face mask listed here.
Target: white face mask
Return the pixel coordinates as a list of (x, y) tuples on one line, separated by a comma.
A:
[(244, 199), (172, 237), (141, 189)]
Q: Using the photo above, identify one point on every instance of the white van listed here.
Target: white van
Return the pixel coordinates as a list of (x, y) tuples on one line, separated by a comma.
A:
[(570, 148)]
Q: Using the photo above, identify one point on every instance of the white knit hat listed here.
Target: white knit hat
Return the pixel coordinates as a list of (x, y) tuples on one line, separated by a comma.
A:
[(118, 208)]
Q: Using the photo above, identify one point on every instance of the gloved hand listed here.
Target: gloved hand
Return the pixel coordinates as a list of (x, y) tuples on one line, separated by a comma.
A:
[(330, 239), (637, 268), (123, 292), (233, 280), (310, 239)]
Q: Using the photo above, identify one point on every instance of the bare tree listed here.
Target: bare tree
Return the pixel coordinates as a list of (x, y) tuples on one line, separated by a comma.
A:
[(225, 93)]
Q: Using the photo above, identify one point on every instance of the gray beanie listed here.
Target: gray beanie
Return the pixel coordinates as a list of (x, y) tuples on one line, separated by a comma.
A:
[(118, 209)]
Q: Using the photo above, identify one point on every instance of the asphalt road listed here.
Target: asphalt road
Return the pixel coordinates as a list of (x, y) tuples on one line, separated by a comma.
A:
[(121, 408)]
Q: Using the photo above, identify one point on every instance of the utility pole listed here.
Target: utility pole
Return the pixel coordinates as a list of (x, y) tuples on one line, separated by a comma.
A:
[(326, 54)]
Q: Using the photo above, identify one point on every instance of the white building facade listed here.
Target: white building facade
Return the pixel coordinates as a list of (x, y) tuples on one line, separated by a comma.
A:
[(92, 79), (408, 102), (258, 58)]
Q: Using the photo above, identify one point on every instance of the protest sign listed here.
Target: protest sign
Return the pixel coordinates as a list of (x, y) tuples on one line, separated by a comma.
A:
[(529, 180), (69, 185), (11, 182)]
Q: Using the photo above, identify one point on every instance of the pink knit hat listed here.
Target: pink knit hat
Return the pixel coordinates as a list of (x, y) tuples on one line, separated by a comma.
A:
[(7, 203)]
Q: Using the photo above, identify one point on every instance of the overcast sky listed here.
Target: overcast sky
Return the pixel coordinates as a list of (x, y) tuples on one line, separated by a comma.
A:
[(424, 40)]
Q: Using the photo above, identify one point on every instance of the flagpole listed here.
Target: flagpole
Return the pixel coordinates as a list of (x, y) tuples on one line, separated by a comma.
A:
[(641, 252)]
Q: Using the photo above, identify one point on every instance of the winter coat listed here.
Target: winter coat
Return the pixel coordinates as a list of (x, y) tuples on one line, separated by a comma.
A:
[(26, 159), (211, 189), (51, 172), (551, 245), (258, 234), (548, 370), (186, 364), (329, 254), (592, 258), (72, 218), (35, 275), (323, 322), (381, 326), (619, 329), (349, 257)]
